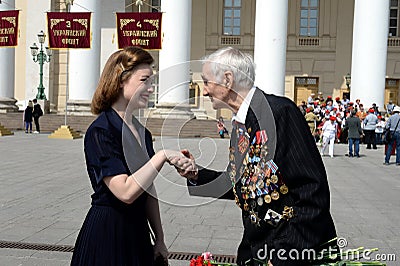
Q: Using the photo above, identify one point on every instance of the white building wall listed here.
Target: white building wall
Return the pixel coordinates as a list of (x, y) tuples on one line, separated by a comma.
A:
[(36, 21)]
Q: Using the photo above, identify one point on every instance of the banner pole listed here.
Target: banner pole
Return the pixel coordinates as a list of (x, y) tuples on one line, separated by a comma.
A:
[(68, 3), (139, 5)]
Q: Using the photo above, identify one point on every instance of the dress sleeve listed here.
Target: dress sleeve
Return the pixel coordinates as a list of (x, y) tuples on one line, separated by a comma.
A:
[(103, 155)]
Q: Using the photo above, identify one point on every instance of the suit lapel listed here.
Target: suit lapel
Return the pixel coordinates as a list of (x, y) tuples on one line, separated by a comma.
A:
[(260, 117)]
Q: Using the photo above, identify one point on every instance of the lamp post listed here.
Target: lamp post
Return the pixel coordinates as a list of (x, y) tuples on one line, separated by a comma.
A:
[(41, 57), (348, 80)]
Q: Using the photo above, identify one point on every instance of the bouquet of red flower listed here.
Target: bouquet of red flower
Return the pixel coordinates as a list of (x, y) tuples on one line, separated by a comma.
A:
[(207, 259)]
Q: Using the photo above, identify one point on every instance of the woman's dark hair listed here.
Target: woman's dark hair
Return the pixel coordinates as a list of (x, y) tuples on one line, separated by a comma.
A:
[(119, 68)]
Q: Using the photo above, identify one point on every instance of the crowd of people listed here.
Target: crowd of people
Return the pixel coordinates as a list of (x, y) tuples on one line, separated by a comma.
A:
[(343, 121)]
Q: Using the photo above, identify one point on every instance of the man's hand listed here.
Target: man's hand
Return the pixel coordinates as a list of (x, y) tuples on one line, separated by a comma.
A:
[(186, 166)]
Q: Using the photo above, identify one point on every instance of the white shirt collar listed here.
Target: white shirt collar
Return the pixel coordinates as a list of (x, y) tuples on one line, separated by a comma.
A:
[(240, 116)]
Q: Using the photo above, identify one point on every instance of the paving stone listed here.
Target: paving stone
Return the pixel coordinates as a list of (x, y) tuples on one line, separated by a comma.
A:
[(45, 195)]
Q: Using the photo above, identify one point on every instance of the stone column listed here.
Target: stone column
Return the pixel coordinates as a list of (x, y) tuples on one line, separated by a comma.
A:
[(174, 66), (369, 53), (270, 45), (7, 71), (84, 64)]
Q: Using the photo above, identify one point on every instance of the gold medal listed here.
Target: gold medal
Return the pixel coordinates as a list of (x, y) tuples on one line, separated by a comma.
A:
[(284, 189), (246, 206), (275, 195), (237, 201), (274, 179), (267, 198), (232, 175)]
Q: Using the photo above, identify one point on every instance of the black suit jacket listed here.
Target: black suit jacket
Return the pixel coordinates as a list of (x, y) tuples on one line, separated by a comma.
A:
[(293, 149)]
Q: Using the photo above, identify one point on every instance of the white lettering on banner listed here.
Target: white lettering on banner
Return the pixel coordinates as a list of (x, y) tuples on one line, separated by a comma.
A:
[(70, 41), (7, 31), (140, 42)]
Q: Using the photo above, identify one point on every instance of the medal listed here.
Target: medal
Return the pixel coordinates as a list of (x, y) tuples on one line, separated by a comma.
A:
[(243, 144), (274, 179), (254, 218), (232, 174), (284, 189), (268, 172), (272, 217), (267, 198), (275, 195), (246, 206), (260, 201), (252, 204)]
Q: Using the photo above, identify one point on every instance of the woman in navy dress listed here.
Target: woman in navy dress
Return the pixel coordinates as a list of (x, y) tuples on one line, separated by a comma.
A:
[(122, 165)]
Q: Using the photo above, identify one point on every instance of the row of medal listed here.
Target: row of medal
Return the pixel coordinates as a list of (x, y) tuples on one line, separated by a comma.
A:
[(259, 177)]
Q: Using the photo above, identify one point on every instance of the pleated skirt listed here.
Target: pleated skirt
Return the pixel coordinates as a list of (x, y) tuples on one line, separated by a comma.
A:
[(113, 237)]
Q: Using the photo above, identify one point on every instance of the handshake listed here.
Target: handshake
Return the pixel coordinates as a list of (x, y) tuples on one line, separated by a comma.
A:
[(184, 163)]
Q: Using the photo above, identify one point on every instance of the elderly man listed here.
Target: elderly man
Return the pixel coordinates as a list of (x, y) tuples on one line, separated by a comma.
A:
[(275, 173)]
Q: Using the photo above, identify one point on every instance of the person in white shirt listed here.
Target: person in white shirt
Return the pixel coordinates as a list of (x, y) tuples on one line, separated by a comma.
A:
[(329, 131), (380, 127)]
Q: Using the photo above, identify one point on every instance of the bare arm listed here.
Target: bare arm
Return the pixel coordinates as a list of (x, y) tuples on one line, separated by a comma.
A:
[(129, 188)]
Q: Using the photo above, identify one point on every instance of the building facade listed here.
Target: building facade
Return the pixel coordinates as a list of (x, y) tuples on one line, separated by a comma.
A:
[(322, 43)]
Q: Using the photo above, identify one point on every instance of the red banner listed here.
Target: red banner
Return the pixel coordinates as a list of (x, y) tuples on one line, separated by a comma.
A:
[(139, 29), (9, 28), (69, 30)]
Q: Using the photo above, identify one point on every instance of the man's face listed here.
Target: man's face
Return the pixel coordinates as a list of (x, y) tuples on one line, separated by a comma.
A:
[(218, 93)]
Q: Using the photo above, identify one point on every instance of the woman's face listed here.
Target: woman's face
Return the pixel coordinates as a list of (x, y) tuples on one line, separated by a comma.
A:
[(137, 89)]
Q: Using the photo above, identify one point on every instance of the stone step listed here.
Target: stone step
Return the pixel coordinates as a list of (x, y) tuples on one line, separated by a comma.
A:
[(157, 126), (5, 131)]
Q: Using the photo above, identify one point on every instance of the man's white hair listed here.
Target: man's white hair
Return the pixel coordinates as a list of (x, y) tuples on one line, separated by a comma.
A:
[(230, 59)]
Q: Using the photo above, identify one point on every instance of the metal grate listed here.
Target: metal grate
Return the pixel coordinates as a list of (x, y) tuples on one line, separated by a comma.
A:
[(36, 246), (65, 248)]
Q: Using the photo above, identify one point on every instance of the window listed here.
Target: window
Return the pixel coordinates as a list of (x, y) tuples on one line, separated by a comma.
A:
[(231, 23), (394, 18), (309, 18)]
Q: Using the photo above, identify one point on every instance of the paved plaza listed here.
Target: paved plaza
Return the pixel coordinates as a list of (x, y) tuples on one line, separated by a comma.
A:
[(45, 195)]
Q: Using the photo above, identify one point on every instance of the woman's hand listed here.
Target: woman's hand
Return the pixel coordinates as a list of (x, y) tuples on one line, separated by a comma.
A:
[(184, 163), (186, 166)]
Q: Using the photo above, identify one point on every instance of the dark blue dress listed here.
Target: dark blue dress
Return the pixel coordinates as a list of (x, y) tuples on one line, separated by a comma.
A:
[(114, 233)]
